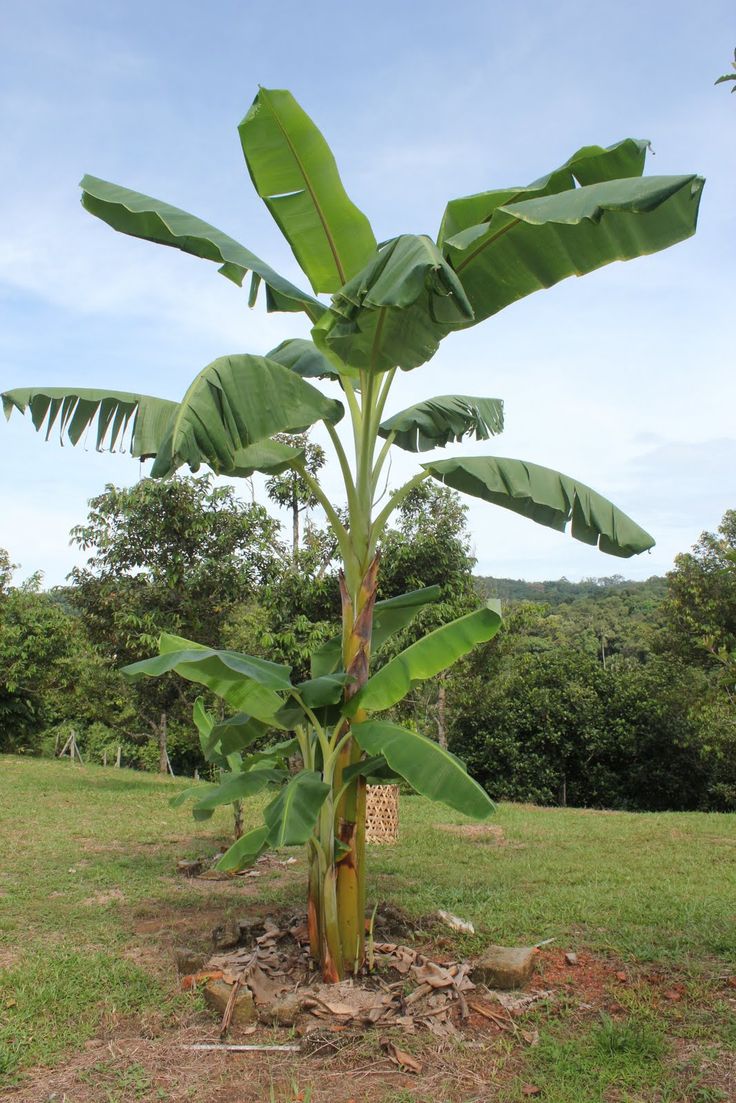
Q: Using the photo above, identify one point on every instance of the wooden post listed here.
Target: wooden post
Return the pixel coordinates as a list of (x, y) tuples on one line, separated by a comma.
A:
[(163, 757), (104, 758), (119, 756)]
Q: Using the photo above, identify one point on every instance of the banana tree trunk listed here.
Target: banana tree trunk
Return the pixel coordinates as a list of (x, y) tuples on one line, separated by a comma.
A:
[(336, 897)]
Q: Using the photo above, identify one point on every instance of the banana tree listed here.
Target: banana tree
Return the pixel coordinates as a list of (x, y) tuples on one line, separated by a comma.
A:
[(390, 304)]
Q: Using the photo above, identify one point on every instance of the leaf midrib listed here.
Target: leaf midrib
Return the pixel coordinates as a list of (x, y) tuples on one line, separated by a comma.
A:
[(310, 189)]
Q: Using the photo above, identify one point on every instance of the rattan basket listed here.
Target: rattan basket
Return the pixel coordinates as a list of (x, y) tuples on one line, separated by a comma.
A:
[(382, 813)]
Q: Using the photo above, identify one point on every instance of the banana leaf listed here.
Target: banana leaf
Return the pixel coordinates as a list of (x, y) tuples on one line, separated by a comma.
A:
[(304, 358), (442, 420), (294, 172), (547, 497), (245, 851), (291, 817), (396, 310), (429, 768), (238, 787), (428, 656), (138, 215), (247, 683), (116, 412), (589, 165), (529, 244), (234, 402)]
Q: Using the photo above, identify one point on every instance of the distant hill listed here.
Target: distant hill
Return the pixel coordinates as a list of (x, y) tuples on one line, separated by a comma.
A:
[(561, 591)]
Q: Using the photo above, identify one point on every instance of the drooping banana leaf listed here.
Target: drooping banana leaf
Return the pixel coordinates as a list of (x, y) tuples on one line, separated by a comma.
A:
[(325, 690), (304, 358), (396, 310), (534, 243), (193, 792), (389, 617), (245, 682), (269, 456), (234, 402), (235, 733), (294, 172), (291, 817), (428, 656), (547, 497), (589, 165), (245, 851), (439, 421), (115, 412), (238, 787), (431, 770), (141, 216)]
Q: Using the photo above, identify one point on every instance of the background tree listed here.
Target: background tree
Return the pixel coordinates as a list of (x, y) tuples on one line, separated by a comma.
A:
[(173, 556), (290, 490)]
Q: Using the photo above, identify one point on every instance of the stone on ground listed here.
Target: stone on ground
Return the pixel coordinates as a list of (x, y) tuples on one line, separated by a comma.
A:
[(504, 967), (217, 994)]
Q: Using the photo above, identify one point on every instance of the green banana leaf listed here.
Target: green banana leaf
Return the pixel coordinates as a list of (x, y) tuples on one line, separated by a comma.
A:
[(325, 690), (589, 165), (291, 817), (434, 652), (193, 792), (389, 617), (141, 216), (245, 682), (245, 851), (269, 456), (238, 787), (294, 172), (396, 310), (235, 734), (304, 358), (276, 752), (547, 497), (439, 421), (535, 243), (76, 410), (431, 770), (235, 402)]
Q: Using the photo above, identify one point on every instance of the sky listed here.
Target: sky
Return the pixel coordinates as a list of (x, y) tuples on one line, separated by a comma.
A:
[(623, 379)]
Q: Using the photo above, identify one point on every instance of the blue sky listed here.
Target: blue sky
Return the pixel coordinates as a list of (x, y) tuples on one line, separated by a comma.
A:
[(623, 379)]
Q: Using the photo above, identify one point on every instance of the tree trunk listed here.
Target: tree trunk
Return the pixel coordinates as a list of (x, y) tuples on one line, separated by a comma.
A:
[(237, 819), (163, 758), (442, 711), (294, 526)]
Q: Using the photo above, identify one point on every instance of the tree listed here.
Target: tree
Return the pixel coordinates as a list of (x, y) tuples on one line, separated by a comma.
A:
[(291, 490), (391, 305), (171, 555), (44, 662)]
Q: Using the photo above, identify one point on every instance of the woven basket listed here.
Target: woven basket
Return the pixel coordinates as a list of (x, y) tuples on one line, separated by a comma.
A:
[(382, 814)]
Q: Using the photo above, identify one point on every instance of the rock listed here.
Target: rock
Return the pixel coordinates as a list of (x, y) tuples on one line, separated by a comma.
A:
[(571, 958), (190, 867), (504, 966), (250, 927), (188, 961), (226, 935), (455, 923), (216, 995), (284, 1011)]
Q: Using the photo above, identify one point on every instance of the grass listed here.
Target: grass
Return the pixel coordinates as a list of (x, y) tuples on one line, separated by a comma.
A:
[(90, 905)]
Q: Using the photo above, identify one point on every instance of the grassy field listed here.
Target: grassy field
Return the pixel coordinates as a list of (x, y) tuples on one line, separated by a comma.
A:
[(91, 906)]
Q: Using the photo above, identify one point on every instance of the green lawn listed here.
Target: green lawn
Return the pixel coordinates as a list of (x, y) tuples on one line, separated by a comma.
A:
[(91, 905)]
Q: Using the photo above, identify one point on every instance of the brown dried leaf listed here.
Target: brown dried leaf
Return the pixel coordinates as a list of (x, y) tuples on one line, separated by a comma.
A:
[(432, 974), (401, 1058)]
